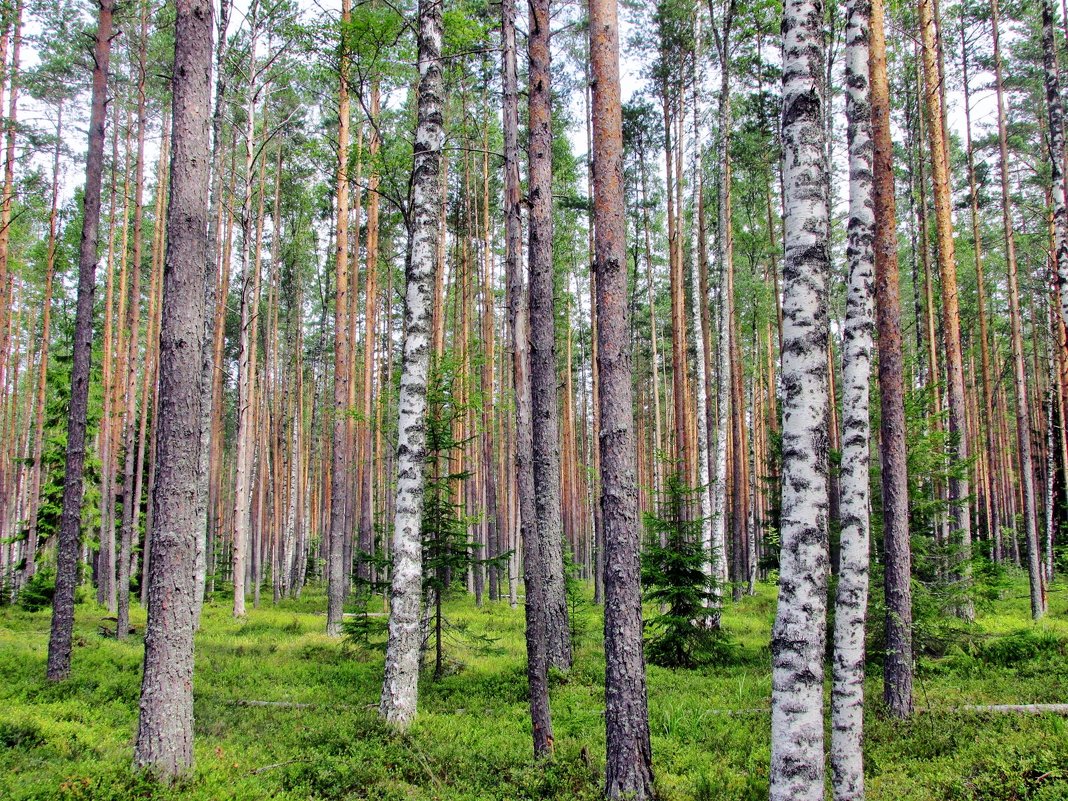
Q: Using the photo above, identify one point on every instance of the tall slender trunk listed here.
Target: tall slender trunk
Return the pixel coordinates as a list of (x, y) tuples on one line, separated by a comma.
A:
[(212, 323), (897, 556), (716, 566), (1023, 415), (1055, 111), (947, 267), (148, 372), (489, 471), (519, 323), (59, 643), (987, 486), (799, 635), (542, 333), (851, 600), (164, 742), (628, 768), (105, 558), (370, 314), (400, 687), (246, 377), (42, 368), (336, 572), (130, 505), (697, 256)]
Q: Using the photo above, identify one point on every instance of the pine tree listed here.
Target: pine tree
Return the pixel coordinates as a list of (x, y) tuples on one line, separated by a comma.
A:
[(673, 578)]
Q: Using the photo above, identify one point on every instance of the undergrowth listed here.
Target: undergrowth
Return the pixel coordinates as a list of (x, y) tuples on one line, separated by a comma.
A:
[(472, 739)]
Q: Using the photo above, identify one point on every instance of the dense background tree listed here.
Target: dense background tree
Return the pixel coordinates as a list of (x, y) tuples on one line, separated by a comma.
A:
[(598, 336)]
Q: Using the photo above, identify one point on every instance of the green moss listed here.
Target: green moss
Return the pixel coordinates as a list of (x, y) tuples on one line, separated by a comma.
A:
[(472, 738)]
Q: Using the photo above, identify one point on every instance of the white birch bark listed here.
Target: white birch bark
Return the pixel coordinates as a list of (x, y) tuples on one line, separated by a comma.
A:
[(717, 565), (696, 256), (401, 684), (798, 639), (1055, 111), (851, 601), (245, 446)]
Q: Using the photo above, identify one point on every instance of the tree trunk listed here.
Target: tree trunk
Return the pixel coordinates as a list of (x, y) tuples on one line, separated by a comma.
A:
[(246, 375), (42, 368), (717, 546), (1023, 415), (164, 743), (987, 486), (336, 572), (957, 445), (542, 333), (212, 323), (130, 505), (697, 255), (400, 687), (518, 310), (492, 533), (59, 643), (370, 311), (628, 765), (897, 556), (1055, 110), (798, 639), (851, 600)]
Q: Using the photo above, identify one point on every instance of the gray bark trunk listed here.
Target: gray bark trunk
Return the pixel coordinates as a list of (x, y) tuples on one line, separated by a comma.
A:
[(165, 730), (542, 334), (59, 642), (533, 557), (628, 765)]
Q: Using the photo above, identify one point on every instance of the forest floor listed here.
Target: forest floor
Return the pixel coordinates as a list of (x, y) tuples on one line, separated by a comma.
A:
[(710, 726)]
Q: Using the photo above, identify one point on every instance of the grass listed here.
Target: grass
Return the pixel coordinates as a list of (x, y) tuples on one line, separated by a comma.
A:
[(472, 739)]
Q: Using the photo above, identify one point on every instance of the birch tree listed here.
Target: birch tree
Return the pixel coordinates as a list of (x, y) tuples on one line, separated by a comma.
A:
[(401, 684), (717, 565), (1055, 118), (851, 600), (799, 634)]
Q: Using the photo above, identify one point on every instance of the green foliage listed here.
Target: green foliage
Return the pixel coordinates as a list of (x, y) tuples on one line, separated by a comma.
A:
[(61, 742), (1021, 646), (37, 593), (673, 577), (448, 549), (579, 607)]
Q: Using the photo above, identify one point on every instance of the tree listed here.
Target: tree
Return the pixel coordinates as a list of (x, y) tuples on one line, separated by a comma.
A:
[(851, 600), (628, 769), (400, 686), (673, 578), (543, 375), (519, 326), (131, 508), (897, 556), (59, 643), (947, 267), (799, 635), (164, 743), (717, 563), (1055, 140), (337, 588)]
